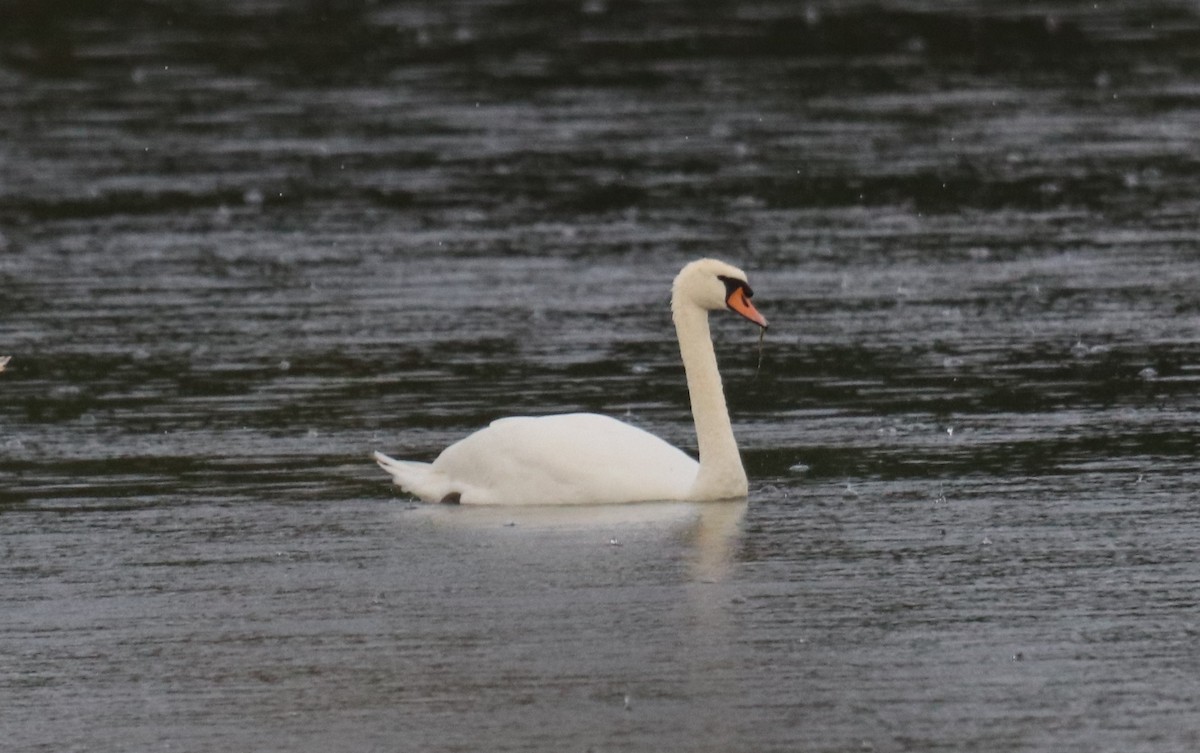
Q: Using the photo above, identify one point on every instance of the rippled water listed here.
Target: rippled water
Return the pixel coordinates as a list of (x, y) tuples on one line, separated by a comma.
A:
[(244, 244)]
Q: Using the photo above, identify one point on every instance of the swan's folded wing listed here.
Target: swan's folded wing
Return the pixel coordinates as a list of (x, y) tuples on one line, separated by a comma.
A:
[(577, 458)]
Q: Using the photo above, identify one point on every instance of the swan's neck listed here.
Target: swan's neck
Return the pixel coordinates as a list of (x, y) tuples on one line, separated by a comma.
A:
[(721, 474)]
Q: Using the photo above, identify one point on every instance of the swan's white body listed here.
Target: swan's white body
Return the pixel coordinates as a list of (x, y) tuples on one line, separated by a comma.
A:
[(585, 458), (577, 458)]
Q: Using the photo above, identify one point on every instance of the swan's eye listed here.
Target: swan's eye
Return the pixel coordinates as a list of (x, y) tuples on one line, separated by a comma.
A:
[(732, 285)]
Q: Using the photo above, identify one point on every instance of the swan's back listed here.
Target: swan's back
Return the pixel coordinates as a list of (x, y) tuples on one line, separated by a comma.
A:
[(575, 458)]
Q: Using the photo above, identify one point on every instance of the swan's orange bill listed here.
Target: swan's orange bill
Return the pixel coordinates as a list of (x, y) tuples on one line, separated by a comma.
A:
[(739, 302)]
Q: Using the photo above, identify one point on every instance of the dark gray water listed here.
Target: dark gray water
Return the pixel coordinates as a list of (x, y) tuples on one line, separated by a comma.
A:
[(244, 244)]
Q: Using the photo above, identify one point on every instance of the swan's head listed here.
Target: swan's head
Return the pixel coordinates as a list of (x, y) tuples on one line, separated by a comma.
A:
[(714, 285)]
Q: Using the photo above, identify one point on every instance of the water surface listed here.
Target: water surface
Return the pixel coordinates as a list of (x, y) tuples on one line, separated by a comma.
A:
[(243, 245)]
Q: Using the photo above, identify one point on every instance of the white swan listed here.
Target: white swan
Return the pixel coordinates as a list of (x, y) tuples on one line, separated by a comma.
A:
[(585, 458)]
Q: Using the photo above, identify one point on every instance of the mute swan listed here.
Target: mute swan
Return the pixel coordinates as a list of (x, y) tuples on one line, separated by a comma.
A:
[(585, 458)]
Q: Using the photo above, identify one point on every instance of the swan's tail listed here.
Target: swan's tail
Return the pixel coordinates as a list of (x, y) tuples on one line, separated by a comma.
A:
[(418, 479)]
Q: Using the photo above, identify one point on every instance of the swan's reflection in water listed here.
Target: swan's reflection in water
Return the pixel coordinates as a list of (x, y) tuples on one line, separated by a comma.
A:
[(712, 530), (609, 601)]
